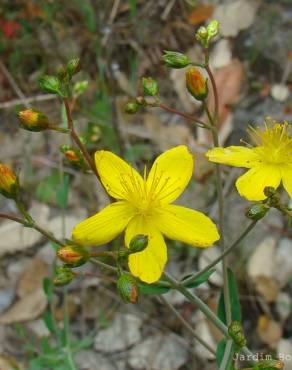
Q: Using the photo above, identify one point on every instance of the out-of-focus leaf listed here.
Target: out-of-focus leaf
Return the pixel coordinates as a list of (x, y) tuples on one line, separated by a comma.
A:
[(234, 301)]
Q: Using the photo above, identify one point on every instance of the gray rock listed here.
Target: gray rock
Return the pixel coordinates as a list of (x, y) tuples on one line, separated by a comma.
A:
[(90, 360), (283, 262), (122, 333), (158, 352), (6, 298)]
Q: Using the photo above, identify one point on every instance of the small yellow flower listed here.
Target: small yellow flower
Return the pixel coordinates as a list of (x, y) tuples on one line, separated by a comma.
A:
[(269, 161), (143, 207), (8, 181)]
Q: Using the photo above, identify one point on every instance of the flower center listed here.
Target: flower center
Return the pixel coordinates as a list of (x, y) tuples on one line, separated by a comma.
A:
[(274, 143)]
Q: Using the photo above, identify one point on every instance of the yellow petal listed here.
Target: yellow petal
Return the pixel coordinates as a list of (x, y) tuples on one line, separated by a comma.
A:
[(251, 185), (105, 225), (148, 265), (170, 174), (186, 225), (286, 172), (238, 156), (120, 179)]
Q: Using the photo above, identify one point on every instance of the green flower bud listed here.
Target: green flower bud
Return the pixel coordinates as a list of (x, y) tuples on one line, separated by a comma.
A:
[(138, 243), (131, 108), (128, 288), (80, 87), (73, 67), (174, 59), (33, 120), (50, 84), (64, 276), (269, 365), (213, 29), (73, 256), (273, 196), (235, 331), (257, 211), (205, 34), (150, 86)]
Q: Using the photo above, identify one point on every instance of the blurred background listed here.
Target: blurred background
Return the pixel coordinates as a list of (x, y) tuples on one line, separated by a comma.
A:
[(119, 42)]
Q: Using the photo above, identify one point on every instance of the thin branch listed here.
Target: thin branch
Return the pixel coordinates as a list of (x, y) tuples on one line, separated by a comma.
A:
[(32, 225), (187, 325), (224, 254), (189, 118)]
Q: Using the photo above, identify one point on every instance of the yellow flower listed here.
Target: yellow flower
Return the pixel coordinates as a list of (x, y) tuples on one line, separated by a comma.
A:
[(269, 161), (143, 207)]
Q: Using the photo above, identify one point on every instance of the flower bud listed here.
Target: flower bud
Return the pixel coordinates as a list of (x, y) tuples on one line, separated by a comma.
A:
[(196, 84), (33, 120), (72, 255), (213, 28), (235, 331), (150, 86), (273, 196), (50, 84), (128, 288), (9, 186), (73, 67), (205, 34), (138, 243), (174, 59), (131, 108), (257, 211), (64, 276), (269, 365), (73, 155)]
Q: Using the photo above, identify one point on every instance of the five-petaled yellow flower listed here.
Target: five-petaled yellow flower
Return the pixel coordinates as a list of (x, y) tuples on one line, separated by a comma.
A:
[(269, 162), (143, 207)]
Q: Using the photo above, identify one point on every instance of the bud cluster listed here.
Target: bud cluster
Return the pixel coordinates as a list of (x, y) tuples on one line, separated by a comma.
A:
[(205, 34)]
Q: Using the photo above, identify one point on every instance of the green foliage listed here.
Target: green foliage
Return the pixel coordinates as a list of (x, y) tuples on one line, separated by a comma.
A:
[(198, 281), (152, 289), (54, 189), (235, 303)]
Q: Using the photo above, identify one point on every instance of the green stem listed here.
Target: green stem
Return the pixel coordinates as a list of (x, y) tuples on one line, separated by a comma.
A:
[(187, 325), (197, 301), (32, 225), (68, 350), (227, 358)]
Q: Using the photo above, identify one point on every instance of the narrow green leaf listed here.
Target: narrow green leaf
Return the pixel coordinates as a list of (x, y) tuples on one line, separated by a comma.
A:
[(48, 288), (220, 351), (200, 280), (234, 300), (63, 192), (152, 289)]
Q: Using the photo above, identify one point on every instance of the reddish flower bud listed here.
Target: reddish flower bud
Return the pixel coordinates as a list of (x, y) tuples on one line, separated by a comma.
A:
[(72, 255), (73, 155), (9, 186), (33, 120), (196, 84), (128, 288)]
